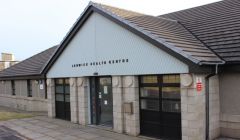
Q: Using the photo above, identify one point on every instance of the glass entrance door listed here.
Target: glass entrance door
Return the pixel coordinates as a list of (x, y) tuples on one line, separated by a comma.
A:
[(105, 101), (101, 101), (62, 98)]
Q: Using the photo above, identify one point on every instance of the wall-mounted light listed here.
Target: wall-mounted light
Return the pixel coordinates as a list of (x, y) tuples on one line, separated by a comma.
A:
[(3, 82)]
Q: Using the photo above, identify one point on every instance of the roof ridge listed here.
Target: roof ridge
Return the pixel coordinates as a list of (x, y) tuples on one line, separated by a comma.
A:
[(164, 18), (192, 8), (105, 8), (148, 33), (101, 5), (201, 41)]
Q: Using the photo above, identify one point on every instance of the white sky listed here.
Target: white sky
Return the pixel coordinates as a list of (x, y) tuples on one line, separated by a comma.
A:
[(30, 26)]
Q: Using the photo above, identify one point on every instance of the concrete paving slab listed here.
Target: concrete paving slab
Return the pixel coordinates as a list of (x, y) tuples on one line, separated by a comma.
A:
[(53, 133), (226, 139), (42, 127), (34, 135), (45, 138), (66, 137)]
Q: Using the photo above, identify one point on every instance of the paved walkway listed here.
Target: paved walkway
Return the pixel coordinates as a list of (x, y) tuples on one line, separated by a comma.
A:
[(226, 139), (43, 128)]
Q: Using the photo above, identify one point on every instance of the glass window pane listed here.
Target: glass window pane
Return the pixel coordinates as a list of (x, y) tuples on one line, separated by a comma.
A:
[(171, 92), (67, 81), (171, 79), (59, 81), (171, 106), (149, 79), (150, 104), (59, 89), (67, 98), (152, 92), (67, 89), (105, 81), (59, 97)]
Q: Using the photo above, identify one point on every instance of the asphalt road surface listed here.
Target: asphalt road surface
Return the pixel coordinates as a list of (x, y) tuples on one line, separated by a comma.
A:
[(8, 134)]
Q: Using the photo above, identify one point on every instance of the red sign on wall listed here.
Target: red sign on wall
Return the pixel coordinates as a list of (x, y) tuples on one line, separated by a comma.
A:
[(199, 84)]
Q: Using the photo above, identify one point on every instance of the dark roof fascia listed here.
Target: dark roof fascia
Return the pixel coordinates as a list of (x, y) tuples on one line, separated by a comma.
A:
[(23, 77), (67, 39), (201, 69), (8, 61), (230, 68), (232, 63), (92, 9)]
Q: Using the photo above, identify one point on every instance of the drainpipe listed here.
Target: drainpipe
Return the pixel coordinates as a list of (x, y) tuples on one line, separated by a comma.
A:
[(207, 99)]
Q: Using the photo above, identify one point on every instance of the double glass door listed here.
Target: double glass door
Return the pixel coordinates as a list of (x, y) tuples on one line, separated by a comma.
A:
[(101, 101), (160, 106)]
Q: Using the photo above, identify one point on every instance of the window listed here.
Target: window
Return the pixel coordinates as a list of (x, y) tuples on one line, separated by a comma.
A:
[(45, 87), (149, 79), (13, 87), (29, 88), (171, 92), (62, 89), (62, 98), (160, 105), (171, 79), (150, 92), (160, 93)]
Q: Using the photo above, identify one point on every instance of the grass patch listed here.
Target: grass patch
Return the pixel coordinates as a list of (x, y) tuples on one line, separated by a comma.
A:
[(13, 115)]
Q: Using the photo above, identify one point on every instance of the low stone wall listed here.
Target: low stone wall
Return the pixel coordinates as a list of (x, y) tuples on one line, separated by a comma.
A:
[(23, 103)]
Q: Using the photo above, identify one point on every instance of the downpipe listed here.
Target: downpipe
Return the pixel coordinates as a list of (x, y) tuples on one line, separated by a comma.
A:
[(207, 100)]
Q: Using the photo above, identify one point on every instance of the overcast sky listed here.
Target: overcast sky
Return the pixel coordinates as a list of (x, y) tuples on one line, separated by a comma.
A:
[(30, 26)]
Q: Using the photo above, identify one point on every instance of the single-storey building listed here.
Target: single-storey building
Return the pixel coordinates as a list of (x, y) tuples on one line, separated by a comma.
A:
[(173, 76), (23, 85)]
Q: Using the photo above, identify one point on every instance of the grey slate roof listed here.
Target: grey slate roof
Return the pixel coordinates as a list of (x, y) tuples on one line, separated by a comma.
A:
[(166, 31), (169, 35), (217, 25), (208, 34), (29, 67)]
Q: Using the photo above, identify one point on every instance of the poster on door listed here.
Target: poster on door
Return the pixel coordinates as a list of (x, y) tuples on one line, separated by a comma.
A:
[(105, 90)]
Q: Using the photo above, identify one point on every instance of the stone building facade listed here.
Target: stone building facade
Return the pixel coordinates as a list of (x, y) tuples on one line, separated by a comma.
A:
[(138, 74), (18, 97), (23, 86)]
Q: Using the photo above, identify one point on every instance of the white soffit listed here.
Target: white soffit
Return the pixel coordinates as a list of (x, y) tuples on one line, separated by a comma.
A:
[(102, 41)]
